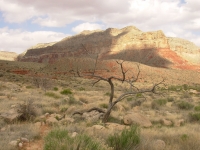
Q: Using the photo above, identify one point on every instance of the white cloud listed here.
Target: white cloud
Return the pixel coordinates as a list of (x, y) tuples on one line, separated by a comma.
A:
[(171, 16), (86, 26), (18, 40)]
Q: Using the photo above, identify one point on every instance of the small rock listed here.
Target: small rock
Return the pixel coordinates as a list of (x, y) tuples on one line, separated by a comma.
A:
[(13, 143), (3, 129), (115, 126), (37, 124), (66, 120), (13, 106), (178, 123), (11, 115), (47, 115), (51, 121), (20, 145), (98, 127), (74, 134), (137, 118), (166, 122), (159, 145), (25, 140)]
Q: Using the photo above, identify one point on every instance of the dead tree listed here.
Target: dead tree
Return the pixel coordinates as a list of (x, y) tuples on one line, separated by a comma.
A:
[(124, 79)]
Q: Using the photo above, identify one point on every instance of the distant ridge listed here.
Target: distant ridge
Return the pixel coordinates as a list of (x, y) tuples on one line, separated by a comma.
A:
[(11, 56), (129, 43)]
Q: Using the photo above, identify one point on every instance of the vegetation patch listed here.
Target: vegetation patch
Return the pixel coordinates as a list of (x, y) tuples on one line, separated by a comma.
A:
[(157, 103), (194, 117), (197, 108), (59, 139), (55, 89), (66, 92), (53, 95), (127, 140), (185, 105)]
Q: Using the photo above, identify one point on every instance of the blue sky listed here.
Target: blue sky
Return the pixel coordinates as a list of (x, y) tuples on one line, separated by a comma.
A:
[(24, 23)]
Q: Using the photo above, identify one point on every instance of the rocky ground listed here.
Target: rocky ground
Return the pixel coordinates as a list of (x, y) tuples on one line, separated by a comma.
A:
[(31, 108)]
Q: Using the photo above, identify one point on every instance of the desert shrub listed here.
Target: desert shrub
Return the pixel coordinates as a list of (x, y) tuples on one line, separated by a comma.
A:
[(114, 120), (53, 95), (59, 139), (186, 95), (185, 87), (129, 99), (29, 87), (170, 99), (81, 89), (157, 103), (185, 105), (28, 110), (72, 100), (127, 140), (103, 105), (139, 95), (66, 92), (55, 89), (175, 88), (83, 100), (197, 108), (194, 116), (107, 93)]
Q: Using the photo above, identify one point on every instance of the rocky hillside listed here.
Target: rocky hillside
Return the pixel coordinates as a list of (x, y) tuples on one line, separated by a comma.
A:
[(11, 56), (129, 43)]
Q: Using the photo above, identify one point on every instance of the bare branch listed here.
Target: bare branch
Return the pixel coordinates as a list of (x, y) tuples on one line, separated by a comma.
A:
[(96, 82), (92, 109), (123, 72)]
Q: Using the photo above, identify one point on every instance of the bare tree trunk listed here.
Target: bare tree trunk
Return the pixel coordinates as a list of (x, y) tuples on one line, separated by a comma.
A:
[(107, 114)]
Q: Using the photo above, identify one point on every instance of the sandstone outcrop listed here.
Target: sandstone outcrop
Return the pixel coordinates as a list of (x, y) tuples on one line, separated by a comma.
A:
[(11, 56), (129, 43)]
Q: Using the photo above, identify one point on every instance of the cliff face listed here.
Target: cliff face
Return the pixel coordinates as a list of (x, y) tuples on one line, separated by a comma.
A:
[(129, 43), (7, 56)]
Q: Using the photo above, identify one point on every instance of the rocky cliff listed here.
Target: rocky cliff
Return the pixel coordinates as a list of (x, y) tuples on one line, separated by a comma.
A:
[(129, 43), (11, 56)]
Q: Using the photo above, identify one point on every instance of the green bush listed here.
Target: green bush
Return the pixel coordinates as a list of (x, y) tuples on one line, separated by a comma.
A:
[(72, 100), (170, 99), (175, 88), (81, 89), (157, 103), (127, 140), (185, 105), (66, 92), (138, 95), (194, 116), (107, 93), (59, 139), (53, 95), (197, 108), (55, 89), (103, 105)]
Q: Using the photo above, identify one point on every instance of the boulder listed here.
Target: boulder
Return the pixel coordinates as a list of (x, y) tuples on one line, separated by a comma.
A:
[(136, 118), (159, 145), (11, 115), (74, 134), (66, 120), (178, 123), (115, 126), (51, 121), (13, 143), (166, 122)]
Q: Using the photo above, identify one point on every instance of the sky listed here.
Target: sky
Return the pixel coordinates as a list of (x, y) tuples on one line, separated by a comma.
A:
[(25, 23)]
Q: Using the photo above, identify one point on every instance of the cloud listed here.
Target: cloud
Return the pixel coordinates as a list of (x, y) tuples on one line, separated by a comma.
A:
[(18, 40), (175, 17), (86, 26)]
